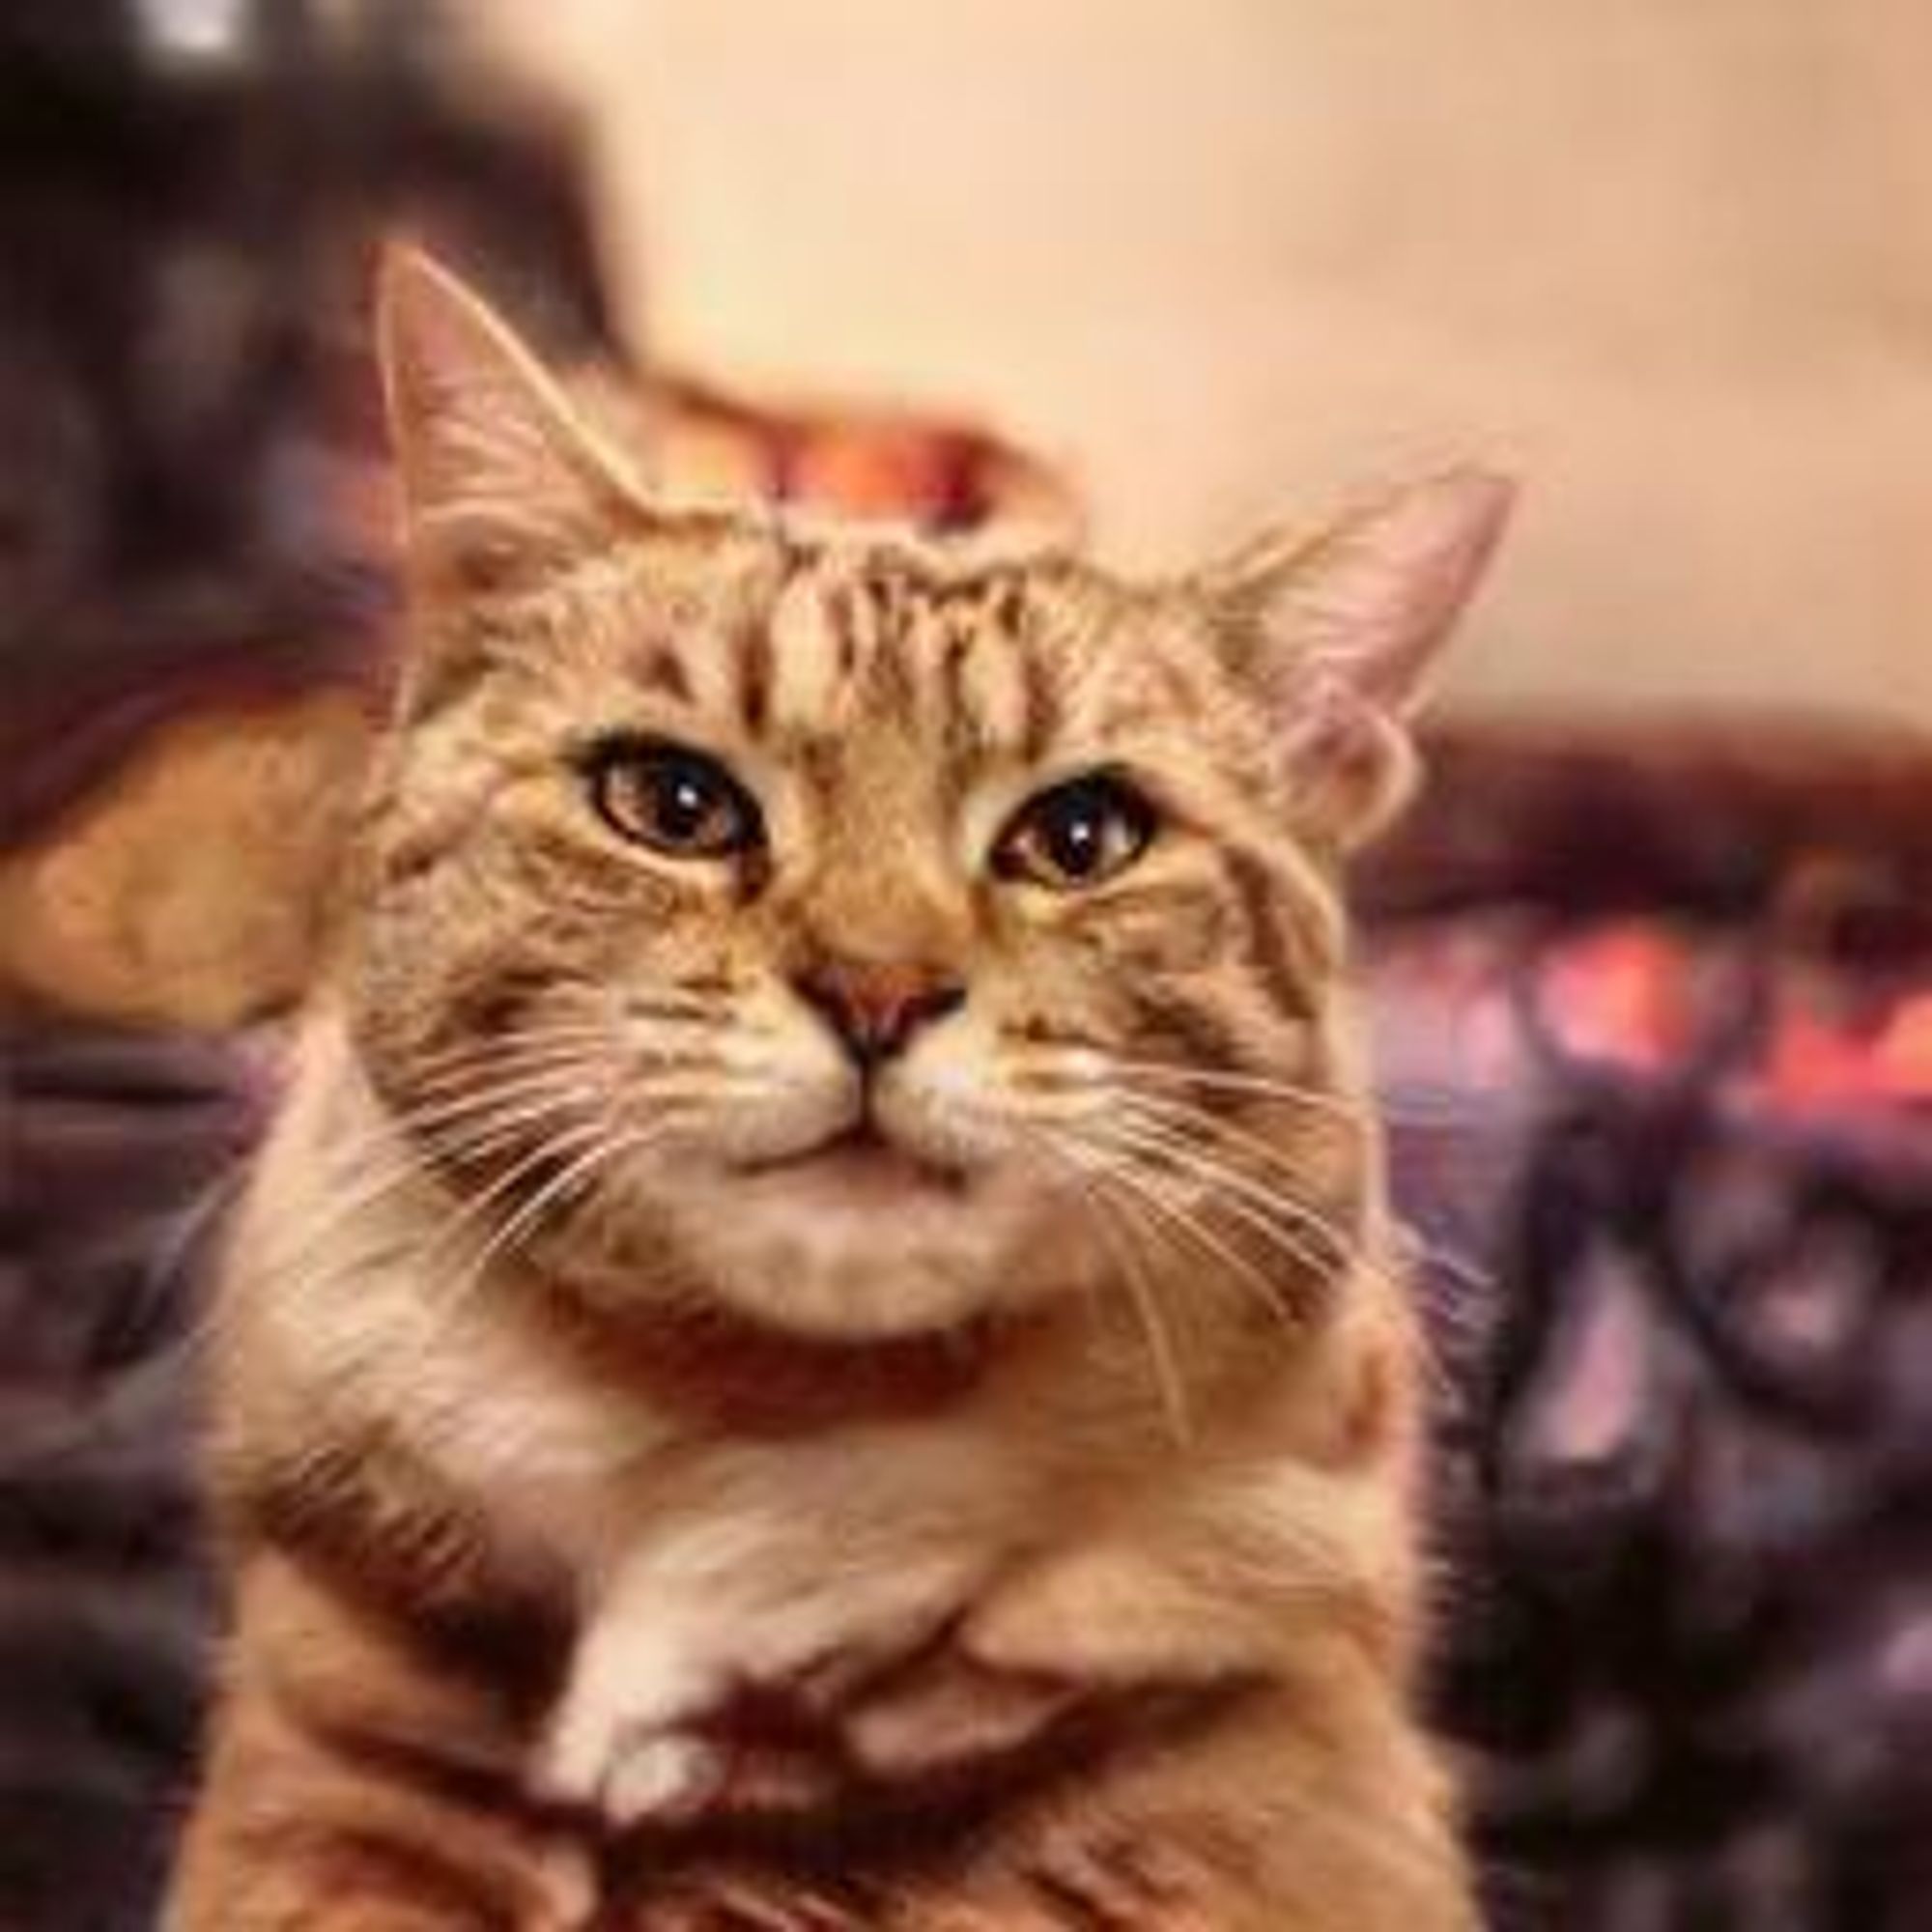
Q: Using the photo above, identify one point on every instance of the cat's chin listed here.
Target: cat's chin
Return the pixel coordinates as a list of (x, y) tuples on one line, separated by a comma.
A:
[(859, 1244), (853, 1304)]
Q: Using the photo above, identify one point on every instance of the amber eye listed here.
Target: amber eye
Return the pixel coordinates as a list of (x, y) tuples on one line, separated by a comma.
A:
[(1076, 834), (672, 799)]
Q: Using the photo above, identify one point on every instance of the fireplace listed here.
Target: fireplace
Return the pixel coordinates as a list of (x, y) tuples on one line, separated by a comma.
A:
[(1666, 1133)]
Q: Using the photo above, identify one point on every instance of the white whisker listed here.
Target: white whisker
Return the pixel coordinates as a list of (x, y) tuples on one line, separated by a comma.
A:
[(1241, 1192), (605, 1147), (1177, 1118), (1137, 1176), (1091, 1178), (450, 1110), (406, 1165), (1410, 1106), (430, 1079)]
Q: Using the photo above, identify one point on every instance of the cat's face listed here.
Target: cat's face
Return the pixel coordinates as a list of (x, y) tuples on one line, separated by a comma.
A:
[(860, 934)]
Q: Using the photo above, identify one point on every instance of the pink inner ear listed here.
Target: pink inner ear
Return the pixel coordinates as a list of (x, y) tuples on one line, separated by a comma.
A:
[(1332, 724), (437, 343), (1373, 604), (499, 480)]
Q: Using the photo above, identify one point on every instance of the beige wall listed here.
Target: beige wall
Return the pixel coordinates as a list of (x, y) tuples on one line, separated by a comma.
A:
[(1671, 259)]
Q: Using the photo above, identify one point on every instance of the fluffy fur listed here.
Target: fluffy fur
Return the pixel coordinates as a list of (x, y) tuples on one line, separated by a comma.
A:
[(692, 1465)]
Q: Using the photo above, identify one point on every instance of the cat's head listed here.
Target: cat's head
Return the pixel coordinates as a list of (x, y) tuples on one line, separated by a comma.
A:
[(860, 933)]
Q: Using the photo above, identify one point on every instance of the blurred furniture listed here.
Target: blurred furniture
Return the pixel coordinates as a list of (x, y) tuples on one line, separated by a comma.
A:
[(1654, 1018)]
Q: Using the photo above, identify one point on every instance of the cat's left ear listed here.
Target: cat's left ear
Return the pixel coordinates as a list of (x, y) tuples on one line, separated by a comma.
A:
[(499, 480), (1344, 627)]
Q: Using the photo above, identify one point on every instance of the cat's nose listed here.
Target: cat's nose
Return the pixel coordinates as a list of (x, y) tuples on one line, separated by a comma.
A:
[(875, 1006)]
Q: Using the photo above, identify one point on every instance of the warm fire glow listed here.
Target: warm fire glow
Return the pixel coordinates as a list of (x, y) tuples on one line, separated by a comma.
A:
[(1637, 993), (1811, 1064), (1624, 993)]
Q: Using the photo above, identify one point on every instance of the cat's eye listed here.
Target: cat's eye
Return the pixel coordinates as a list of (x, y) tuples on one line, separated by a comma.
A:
[(672, 799), (1077, 834)]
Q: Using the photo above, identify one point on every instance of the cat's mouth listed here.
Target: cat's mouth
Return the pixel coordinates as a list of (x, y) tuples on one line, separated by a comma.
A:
[(860, 1159)]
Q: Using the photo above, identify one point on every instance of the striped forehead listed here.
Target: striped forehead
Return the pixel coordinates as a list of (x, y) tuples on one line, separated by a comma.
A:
[(965, 665)]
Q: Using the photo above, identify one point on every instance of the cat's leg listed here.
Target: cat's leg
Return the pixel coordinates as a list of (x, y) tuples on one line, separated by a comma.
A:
[(1305, 1806), (947, 1714), (348, 1789), (1299, 1796), (1214, 1589)]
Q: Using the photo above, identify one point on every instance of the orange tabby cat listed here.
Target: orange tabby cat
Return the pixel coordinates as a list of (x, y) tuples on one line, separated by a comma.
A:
[(818, 1344)]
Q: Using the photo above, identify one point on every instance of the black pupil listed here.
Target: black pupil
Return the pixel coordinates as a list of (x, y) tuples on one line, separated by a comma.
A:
[(683, 800), (1076, 834)]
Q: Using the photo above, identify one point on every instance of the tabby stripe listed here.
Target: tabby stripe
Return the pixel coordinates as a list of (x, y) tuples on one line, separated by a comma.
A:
[(1040, 708), (961, 735), (1074, 1908), (1007, 604), (754, 659), (416, 1766), (366, 1526), (891, 679), (842, 618), (444, 672), (413, 1876), (659, 669), (1171, 1019), (1284, 969)]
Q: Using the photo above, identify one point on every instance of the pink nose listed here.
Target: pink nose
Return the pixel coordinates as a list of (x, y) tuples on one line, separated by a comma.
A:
[(875, 1006)]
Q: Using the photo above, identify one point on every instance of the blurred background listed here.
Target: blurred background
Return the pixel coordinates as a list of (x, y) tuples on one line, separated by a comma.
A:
[(1650, 967)]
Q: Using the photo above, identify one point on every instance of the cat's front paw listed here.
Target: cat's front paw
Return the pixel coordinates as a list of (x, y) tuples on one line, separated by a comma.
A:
[(632, 1738), (729, 1762), (632, 1771), (641, 1744)]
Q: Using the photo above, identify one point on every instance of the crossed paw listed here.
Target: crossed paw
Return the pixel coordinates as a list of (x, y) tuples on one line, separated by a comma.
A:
[(642, 1742)]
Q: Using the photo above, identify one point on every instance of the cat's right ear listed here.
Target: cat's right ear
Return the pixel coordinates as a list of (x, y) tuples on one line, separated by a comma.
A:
[(499, 483), (1341, 628)]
